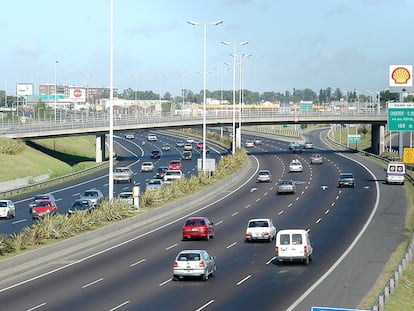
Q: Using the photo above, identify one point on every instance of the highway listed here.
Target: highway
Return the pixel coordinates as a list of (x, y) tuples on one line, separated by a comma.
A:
[(131, 152), (134, 272)]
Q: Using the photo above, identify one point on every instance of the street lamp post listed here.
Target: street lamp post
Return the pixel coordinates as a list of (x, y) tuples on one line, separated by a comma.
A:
[(241, 96), (56, 62), (183, 75), (215, 23), (221, 81), (234, 89), (161, 75)]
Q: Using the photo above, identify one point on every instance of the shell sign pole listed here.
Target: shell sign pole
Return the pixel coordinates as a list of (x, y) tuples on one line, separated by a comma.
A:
[(401, 76)]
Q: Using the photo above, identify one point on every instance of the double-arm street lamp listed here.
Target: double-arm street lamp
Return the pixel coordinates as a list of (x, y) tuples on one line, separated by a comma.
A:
[(234, 55), (215, 23)]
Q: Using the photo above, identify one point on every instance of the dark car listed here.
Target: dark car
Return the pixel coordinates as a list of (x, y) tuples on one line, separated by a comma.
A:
[(346, 180), (82, 205), (161, 171), (155, 154), (198, 228)]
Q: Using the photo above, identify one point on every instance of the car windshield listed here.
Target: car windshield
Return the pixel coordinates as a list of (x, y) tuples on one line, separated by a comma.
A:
[(285, 182), (79, 204), (154, 182), (263, 173)]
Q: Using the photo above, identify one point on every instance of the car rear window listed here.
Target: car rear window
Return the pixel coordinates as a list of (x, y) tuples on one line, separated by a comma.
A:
[(189, 257), (195, 222), (3, 204), (254, 224), (285, 239), (296, 239)]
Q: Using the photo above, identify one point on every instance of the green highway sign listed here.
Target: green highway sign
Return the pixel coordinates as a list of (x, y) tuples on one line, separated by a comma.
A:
[(354, 138), (401, 116), (58, 96)]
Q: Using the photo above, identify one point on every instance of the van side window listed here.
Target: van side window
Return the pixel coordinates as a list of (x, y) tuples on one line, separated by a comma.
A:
[(296, 239), (284, 239)]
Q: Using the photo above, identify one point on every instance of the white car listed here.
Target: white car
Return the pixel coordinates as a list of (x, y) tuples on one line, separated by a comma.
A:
[(171, 175), (194, 263), (260, 229), (129, 136), (7, 209), (188, 146), (147, 166), (127, 197), (152, 137), (249, 144), (308, 145), (295, 166)]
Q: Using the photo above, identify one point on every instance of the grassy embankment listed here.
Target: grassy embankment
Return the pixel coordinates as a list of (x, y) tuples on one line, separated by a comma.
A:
[(58, 157)]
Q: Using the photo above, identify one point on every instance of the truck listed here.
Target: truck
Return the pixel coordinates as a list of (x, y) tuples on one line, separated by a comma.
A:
[(123, 174)]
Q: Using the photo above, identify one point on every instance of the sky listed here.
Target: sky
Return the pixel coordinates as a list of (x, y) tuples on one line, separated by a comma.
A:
[(300, 44)]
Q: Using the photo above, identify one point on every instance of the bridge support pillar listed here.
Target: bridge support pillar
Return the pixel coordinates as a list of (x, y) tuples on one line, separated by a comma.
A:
[(377, 139), (100, 148)]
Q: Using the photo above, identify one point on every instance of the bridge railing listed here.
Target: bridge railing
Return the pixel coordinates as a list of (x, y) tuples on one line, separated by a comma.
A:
[(102, 120)]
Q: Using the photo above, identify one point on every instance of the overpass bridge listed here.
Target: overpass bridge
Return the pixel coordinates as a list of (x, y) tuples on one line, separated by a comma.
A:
[(98, 125)]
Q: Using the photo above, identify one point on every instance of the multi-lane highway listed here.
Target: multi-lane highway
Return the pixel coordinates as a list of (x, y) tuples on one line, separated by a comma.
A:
[(131, 152), (134, 273)]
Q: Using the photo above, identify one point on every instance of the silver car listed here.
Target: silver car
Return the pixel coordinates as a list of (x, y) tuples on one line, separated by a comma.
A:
[(95, 195), (286, 186), (264, 176), (154, 184), (194, 263)]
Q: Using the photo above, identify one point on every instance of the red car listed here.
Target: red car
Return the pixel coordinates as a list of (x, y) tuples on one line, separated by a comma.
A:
[(198, 228), (43, 208), (174, 165)]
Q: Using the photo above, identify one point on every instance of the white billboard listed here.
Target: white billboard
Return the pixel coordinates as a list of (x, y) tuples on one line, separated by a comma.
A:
[(24, 89), (77, 95), (401, 75)]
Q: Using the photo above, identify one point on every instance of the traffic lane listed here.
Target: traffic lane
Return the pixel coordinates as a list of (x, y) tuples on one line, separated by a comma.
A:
[(348, 283), (226, 261)]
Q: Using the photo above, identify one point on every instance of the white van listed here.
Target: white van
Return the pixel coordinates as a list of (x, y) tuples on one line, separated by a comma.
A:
[(395, 173), (292, 245)]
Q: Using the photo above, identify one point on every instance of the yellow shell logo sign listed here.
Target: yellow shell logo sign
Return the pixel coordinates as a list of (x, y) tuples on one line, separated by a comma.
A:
[(400, 75)]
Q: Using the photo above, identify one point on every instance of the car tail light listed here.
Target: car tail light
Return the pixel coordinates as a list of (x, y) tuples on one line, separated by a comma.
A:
[(248, 234), (202, 264), (277, 250), (305, 249), (266, 233), (175, 264)]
